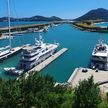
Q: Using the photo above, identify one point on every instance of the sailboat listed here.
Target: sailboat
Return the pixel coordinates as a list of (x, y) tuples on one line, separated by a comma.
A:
[(7, 51)]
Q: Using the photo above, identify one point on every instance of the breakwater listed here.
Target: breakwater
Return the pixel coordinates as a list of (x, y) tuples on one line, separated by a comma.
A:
[(25, 27)]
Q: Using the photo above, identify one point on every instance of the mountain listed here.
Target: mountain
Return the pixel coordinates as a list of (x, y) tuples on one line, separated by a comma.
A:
[(34, 18), (42, 18), (96, 14)]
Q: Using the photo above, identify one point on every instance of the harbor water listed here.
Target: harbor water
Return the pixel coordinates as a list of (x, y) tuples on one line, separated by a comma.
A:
[(3, 24), (79, 43), (102, 24)]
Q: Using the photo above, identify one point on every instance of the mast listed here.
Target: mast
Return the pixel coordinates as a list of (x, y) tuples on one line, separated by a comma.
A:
[(8, 8)]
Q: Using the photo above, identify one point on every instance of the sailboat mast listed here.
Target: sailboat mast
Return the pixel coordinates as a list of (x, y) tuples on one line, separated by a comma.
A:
[(8, 6)]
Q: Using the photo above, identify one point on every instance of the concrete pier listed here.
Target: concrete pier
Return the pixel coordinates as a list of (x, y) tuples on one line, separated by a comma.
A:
[(49, 60), (13, 28), (80, 74), (73, 75)]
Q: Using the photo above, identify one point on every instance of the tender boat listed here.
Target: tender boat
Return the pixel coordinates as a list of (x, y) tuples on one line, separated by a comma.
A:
[(99, 59), (13, 71)]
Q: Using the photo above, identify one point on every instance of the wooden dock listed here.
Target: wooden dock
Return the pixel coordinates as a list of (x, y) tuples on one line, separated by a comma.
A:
[(49, 60)]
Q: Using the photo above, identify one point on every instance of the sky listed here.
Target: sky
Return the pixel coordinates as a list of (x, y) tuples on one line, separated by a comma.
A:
[(67, 9)]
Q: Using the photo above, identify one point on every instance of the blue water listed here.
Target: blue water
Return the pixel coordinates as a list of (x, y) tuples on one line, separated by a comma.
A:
[(79, 43), (3, 24), (102, 24)]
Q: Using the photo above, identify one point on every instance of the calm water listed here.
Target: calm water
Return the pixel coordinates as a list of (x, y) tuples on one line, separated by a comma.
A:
[(3, 24), (79, 43), (102, 24)]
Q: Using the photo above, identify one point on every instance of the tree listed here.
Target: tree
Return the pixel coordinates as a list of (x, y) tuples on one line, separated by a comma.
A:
[(88, 22), (36, 91), (0, 34), (87, 94)]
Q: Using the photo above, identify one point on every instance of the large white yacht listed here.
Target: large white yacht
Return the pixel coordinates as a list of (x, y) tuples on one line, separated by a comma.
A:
[(99, 59), (32, 55)]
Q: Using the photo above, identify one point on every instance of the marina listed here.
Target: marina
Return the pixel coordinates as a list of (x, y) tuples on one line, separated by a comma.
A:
[(79, 53), (53, 54), (32, 55)]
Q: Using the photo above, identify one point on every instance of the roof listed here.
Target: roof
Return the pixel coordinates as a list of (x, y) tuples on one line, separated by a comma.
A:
[(99, 51)]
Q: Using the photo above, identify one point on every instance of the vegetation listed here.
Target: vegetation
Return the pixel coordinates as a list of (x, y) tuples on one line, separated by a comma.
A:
[(0, 34), (99, 14), (39, 91), (87, 94), (90, 26), (86, 22), (33, 18)]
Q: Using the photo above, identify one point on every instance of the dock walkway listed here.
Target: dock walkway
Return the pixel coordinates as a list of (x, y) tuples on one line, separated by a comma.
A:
[(49, 60)]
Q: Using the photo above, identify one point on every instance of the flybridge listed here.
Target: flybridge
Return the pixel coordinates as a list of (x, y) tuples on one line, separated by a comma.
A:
[(99, 59)]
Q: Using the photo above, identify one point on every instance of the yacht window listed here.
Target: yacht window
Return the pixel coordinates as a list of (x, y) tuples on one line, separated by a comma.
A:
[(37, 48)]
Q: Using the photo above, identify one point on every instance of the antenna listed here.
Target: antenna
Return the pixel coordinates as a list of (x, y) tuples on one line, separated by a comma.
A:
[(40, 36), (8, 8), (100, 39)]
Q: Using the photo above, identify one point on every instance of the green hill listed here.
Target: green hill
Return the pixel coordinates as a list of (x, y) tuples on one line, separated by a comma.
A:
[(96, 14), (33, 18)]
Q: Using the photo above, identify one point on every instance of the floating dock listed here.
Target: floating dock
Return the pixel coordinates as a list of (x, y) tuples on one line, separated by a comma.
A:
[(49, 60), (99, 77), (12, 52)]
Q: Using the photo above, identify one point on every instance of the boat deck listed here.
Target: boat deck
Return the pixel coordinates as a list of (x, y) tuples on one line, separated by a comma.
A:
[(13, 51), (78, 75)]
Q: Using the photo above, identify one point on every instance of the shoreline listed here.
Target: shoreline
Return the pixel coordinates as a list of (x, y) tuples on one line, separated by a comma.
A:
[(91, 28)]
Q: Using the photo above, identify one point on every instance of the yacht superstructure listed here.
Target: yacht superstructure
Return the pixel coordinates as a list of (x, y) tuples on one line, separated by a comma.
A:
[(99, 59), (33, 55)]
